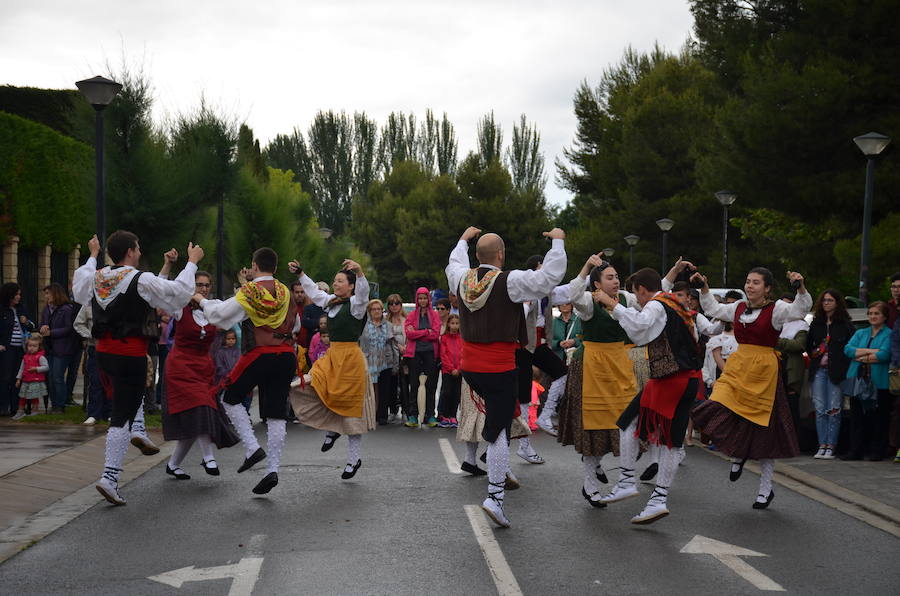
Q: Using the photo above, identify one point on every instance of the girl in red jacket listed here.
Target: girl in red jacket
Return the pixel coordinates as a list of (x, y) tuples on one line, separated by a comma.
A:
[(451, 377)]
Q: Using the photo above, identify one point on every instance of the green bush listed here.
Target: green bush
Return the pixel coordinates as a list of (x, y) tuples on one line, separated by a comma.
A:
[(46, 185)]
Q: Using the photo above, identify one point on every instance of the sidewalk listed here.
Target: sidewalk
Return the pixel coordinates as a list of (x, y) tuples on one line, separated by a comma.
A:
[(867, 491), (47, 476)]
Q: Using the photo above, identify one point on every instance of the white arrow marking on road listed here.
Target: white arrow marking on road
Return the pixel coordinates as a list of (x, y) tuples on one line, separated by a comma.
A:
[(450, 456), (245, 573), (729, 555)]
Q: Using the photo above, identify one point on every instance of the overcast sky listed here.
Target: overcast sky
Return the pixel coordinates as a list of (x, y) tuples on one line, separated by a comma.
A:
[(275, 63)]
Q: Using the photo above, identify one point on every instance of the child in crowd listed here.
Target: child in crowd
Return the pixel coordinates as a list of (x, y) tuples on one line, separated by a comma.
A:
[(32, 377), (320, 341), (537, 390), (227, 355), (451, 375)]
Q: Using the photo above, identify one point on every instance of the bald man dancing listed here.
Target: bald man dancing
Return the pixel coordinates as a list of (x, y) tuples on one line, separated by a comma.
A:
[(492, 324)]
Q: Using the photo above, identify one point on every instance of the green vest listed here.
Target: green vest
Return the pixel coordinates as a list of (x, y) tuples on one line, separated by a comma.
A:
[(602, 328), (344, 326)]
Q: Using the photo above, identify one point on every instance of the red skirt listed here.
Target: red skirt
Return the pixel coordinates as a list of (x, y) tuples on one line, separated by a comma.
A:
[(189, 378)]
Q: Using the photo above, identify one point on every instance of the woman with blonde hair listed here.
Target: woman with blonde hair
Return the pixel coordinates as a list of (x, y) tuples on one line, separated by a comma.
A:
[(375, 341), (396, 316)]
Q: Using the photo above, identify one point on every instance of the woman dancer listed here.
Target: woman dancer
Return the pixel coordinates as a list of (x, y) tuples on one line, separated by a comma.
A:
[(339, 399), (601, 380), (190, 412), (747, 415)]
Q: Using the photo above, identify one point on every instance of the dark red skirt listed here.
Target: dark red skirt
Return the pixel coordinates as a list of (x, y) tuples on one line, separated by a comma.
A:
[(737, 437)]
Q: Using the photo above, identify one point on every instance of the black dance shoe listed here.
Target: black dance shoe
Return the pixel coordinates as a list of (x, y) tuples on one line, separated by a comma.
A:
[(178, 475), (472, 469), (330, 438), (587, 497), (348, 475), (268, 482), (211, 470), (733, 475), (758, 505), (650, 472), (256, 457), (483, 457)]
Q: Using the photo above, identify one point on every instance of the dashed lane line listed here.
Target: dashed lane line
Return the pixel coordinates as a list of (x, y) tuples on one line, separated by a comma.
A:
[(503, 576)]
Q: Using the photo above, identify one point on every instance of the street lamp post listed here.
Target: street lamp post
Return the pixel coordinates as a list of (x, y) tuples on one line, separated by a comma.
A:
[(609, 252), (871, 144), (665, 224), (99, 92), (631, 240), (726, 199)]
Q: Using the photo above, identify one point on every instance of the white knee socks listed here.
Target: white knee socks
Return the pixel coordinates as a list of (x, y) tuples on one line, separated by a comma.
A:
[(117, 438), (241, 421), (498, 465), (590, 463), (178, 454), (767, 470), (555, 392), (471, 452), (668, 466), (628, 452), (137, 425), (206, 448), (354, 449), (276, 429)]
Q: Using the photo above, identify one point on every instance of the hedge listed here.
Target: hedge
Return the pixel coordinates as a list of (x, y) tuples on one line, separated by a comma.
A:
[(46, 185)]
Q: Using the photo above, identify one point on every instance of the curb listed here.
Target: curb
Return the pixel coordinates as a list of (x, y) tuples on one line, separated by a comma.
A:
[(24, 533), (856, 505)]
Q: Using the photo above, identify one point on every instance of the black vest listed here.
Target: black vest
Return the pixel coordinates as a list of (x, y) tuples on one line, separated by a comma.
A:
[(499, 320), (675, 349), (128, 315)]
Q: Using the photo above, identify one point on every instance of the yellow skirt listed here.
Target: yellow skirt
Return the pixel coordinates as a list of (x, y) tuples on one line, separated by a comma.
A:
[(608, 384), (747, 385), (340, 378)]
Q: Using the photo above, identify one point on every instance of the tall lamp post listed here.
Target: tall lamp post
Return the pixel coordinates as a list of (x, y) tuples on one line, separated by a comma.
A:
[(631, 240), (726, 199), (665, 224), (609, 252), (871, 144), (99, 92)]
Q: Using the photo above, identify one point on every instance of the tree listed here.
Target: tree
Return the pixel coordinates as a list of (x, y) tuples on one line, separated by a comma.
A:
[(525, 159), (446, 148), (331, 148), (489, 139), (290, 153)]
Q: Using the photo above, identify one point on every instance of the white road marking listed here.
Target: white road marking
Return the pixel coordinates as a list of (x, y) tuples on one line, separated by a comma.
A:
[(244, 573), (501, 573), (450, 456), (729, 555)]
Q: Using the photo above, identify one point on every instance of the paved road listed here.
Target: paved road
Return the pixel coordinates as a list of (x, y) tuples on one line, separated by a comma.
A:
[(400, 527)]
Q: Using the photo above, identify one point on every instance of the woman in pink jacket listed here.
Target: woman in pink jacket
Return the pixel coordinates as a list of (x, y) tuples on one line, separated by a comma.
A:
[(423, 337)]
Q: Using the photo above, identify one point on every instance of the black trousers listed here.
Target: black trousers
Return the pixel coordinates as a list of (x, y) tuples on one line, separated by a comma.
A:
[(128, 375), (10, 359), (422, 363), (273, 374), (383, 395), (451, 388), (499, 392), (679, 420), (545, 360), (869, 430)]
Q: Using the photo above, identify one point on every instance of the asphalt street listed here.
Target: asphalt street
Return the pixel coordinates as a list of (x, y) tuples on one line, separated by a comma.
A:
[(401, 527)]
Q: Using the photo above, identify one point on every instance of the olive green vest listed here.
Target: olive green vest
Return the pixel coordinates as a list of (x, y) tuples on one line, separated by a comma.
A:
[(344, 326)]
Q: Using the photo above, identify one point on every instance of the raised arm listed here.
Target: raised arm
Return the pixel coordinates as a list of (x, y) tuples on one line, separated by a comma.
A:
[(523, 286), (459, 258), (172, 295), (224, 314), (83, 280)]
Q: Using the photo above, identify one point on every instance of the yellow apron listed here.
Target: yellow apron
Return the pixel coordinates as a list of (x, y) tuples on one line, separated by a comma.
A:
[(608, 384), (747, 385), (339, 378)]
